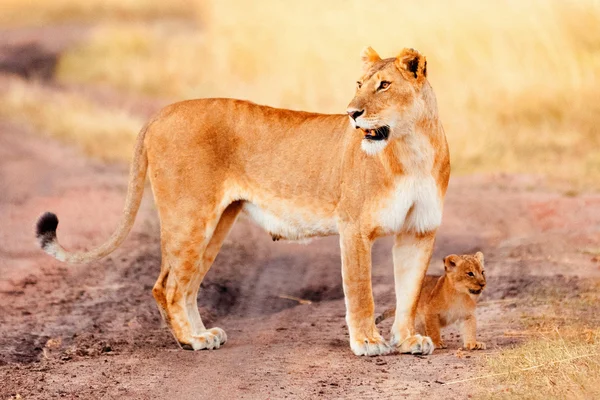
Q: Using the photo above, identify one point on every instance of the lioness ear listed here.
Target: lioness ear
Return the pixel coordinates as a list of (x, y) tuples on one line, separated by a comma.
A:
[(369, 57), (479, 257), (451, 261), (412, 65)]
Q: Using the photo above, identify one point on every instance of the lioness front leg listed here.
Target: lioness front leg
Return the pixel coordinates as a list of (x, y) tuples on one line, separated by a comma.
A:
[(411, 256), (365, 339)]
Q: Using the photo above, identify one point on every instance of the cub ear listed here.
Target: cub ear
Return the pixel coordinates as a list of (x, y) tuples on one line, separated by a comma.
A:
[(412, 65), (451, 261), (479, 257), (369, 57)]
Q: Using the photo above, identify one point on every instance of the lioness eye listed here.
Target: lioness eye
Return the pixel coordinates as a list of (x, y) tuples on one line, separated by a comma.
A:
[(470, 274), (359, 84), (383, 85)]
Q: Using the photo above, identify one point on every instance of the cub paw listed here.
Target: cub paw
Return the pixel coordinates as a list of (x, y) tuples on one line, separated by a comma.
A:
[(209, 339), (416, 344), (373, 346), (440, 345), (475, 346)]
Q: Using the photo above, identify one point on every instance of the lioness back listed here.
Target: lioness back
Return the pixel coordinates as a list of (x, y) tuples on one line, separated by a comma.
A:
[(279, 162)]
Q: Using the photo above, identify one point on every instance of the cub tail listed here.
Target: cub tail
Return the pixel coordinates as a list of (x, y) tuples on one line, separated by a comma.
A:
[(386, 314)]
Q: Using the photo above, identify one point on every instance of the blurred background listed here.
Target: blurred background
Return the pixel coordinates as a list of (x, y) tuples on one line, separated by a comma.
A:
[(518, 82), (518, 88)]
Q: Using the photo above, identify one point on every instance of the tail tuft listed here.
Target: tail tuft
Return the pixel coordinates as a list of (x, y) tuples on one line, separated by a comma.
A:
[(45, 229)]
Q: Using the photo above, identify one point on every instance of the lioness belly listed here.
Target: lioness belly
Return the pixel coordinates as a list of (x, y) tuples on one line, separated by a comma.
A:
[(287, 222)]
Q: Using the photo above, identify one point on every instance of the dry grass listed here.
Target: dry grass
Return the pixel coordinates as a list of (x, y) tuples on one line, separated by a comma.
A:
[(39, 12), (562, 358), (517, 82), (101, 132)]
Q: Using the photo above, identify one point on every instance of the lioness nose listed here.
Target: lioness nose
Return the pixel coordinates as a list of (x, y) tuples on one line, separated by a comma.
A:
[(354, 113)]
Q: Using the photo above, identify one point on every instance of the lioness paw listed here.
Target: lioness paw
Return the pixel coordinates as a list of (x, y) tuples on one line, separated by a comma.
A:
[(374, 346), (440, 345), (210, 339), (416, 344), (475, 346)]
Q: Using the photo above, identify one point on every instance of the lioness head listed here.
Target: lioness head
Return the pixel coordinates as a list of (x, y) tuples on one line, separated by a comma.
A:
[(386, 102), (466, 272)]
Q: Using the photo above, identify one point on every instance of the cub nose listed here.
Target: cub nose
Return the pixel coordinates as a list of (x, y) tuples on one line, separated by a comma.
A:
[(354, 113)]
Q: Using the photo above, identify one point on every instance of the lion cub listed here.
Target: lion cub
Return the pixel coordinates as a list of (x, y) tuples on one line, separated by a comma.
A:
[(450, 298)]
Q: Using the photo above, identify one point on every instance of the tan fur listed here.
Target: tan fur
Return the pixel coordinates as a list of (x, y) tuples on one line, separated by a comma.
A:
[(299, 175), (450, 298)]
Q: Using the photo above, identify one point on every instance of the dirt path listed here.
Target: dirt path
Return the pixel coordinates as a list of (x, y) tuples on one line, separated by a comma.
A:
[(93, 331)]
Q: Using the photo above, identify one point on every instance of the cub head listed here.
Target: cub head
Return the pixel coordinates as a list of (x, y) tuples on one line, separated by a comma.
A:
[(466, 272), (387, 100)]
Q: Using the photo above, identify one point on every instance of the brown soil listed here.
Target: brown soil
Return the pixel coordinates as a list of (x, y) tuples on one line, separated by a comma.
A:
[(93, 331)]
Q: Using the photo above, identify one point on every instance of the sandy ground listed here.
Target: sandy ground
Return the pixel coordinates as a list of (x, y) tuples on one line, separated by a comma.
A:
[(93, 331)]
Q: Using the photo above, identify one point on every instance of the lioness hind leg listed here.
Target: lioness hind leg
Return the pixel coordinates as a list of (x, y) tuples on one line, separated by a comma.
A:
[(221, 231), (182, 270), (170, 289)]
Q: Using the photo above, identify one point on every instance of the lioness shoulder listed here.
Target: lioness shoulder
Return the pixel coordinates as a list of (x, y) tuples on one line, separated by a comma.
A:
[(450, 298)]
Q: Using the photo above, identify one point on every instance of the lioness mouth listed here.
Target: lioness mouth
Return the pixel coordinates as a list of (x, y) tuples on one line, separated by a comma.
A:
[(473, 291), (381, 133)]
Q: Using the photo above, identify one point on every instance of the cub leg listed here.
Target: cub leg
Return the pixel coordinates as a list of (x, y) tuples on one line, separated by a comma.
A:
[(356, 274), (411, 255), (433, 330), (469, 331)]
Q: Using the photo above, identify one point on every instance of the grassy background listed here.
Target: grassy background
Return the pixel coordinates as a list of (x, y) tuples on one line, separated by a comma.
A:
[(517, 82), (560, 357), (19, 13), (108, 133)]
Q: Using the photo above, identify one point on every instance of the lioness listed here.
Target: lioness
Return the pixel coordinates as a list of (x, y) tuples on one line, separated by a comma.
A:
[(382, 169), (450, 298)]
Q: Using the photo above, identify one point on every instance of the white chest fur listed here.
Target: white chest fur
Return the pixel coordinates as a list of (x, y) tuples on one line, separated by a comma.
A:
[(414, 204)]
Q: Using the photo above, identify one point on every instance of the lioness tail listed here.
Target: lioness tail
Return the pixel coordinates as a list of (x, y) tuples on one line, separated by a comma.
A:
[(48, 222)]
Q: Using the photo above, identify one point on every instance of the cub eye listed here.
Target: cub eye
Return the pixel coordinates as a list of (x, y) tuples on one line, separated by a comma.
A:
[(359, 84), (470, 274), (384, 85)]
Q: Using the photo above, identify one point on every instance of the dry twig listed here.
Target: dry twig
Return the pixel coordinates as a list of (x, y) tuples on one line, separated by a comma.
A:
[(299, 300)]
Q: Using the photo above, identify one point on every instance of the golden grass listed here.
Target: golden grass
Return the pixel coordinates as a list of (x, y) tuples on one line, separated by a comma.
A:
[(40, 12), (517, 82), (564, 366), (105, 133), (561, 360)]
